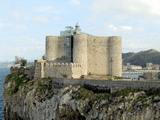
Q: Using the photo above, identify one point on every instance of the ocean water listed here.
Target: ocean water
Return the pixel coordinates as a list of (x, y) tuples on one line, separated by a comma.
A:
[(3, 73)]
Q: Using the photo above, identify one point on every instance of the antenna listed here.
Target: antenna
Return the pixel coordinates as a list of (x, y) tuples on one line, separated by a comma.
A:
[(77, 28)]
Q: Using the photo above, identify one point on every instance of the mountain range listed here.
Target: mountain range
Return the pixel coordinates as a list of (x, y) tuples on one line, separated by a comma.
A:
[(142, 57)]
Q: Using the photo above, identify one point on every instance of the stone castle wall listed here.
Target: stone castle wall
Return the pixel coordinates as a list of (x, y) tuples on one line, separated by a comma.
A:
[(104, 55), (80, 51), (115, 56), (39, 69), (46, 69), (37, 73), (96, 55), (55, 48), (105, 85)]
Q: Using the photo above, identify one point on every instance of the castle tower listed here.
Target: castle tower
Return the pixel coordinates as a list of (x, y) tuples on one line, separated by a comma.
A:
[(80, 51), (54, 48), (51, 47), (115, 56)]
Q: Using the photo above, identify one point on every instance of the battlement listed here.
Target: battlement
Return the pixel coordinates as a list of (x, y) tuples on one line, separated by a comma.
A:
[(46, 69), (53, 64), (75, 53)]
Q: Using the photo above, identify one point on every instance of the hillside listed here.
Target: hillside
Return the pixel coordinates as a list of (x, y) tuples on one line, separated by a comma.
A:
[(142, 57)]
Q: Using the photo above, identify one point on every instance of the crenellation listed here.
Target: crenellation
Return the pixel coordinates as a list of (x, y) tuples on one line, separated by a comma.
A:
[(54, 64), (47, 64), (51, 64), (66, 64), (74, 54), (71, 64)]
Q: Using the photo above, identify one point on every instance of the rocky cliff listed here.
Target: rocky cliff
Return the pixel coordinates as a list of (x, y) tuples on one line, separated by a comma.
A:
[(43, 100)]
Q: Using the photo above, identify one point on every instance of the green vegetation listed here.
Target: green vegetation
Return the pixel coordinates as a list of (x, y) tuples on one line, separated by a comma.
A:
[(124, 92), (67, 113), (16, 80), (153, 92), (159, 75), (82, 77), (44, 89), (137, 98), (64, 76), (21, 61), (117, 78), (143, 57), (84, 93)]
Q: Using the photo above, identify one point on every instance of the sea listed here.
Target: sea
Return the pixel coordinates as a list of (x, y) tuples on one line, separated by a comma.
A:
[(3, 73)]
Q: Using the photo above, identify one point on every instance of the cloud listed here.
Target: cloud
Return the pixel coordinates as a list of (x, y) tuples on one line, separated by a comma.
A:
[(113, 27), (16, 14), (149, 7), (120, 27), (10, 25), (75, 2), (44, 19), (46, 9), (29, 48), (152, 6), (3, 24), (128, 28), (129, 46), (37, 14), (41, 19)]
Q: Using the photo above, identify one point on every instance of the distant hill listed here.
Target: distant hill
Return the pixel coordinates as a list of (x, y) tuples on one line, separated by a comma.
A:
[(142, 57)]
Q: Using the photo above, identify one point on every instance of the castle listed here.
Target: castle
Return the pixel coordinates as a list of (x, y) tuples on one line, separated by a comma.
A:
[(74, 54)]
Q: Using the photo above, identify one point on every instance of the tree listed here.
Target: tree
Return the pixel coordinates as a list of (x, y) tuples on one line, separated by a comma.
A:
[(21, 61)]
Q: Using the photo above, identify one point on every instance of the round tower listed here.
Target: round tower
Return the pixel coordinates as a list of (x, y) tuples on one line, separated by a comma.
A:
[(80, 51), (51, 47), (115, 56)]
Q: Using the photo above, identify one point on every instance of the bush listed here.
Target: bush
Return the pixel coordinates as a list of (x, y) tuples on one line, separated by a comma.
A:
[(16, 80), (124, 92), (44, 90), (65, 76), (82, 77), (23, 62)]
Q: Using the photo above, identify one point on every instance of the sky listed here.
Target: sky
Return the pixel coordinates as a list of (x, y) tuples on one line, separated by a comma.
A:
[(25, 23)]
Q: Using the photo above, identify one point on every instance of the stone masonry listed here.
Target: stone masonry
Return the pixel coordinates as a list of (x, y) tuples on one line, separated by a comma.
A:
[(74, 54)]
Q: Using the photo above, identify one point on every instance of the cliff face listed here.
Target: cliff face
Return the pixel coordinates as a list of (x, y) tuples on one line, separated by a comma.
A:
[(43, 100)]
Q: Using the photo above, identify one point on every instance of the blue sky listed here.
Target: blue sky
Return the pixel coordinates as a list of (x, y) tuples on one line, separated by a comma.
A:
[(25, 23)]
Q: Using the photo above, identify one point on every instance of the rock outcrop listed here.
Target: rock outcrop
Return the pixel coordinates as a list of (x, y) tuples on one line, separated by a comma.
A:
[(43, 100)]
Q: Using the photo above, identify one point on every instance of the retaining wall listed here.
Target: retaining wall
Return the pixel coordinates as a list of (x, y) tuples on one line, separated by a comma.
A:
[(106, 85)]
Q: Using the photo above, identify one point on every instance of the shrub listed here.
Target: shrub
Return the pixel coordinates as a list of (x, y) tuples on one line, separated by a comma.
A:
[(44, 90), (16, 80), (65, 76)]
